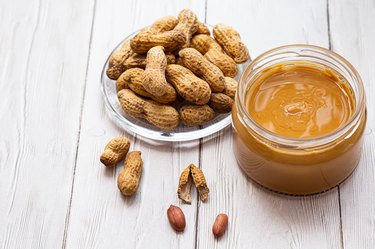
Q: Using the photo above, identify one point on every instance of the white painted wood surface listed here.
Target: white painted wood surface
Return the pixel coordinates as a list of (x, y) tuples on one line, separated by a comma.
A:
[(43, 60), (355, 40), (54, 193)]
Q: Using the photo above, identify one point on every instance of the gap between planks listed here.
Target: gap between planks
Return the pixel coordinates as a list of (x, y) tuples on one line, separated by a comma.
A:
[(338, 187), (67, 218)]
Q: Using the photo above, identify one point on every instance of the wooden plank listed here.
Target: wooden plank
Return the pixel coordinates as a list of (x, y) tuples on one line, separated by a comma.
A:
[(100, 216), (259, 218), (352, 35), (43, 59)]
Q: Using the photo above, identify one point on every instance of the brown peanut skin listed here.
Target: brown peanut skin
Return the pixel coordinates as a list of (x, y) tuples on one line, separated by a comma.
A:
[(188, 24), (116, 61), (220, 103), (230, 40), (196, 62), (213, 52), (230, 87), (115, 151), (128, 180), (163, 24), (220, 225), (164, 117), (176, 218), (189, 86), (145, 40), (154, 80), (133, 79), (193, 115)]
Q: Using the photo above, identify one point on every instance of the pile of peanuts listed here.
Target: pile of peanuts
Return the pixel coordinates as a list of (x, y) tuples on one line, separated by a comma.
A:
[(174, 71)]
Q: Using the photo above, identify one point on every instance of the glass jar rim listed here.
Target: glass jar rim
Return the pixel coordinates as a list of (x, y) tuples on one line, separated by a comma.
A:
[(305, 142)]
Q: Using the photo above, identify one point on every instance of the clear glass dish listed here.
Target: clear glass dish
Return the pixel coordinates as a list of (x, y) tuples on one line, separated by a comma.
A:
[(144, 129)]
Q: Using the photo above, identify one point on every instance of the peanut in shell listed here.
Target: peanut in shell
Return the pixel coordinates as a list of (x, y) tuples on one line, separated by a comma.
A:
[(231, 41), (199, 65), (193, 115), (189, 86)]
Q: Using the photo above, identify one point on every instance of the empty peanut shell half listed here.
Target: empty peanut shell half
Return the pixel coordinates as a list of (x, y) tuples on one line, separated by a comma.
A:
[(192, 174)]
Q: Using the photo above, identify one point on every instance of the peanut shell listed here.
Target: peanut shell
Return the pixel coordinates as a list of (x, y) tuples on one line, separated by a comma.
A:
[(230, 87), (202, 29), (192, 115), (230, 40), (199, 182), (184, 186), (189, 86), (164, 117), (154, 80), (196, 62), (116, 61), (220, 102), (133, 79), (128, 180), (115, 151), (170, 40), (188, 24), (163, 24), (213, 52)]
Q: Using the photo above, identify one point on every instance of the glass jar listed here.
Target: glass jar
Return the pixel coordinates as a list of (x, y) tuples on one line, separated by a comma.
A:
[(298, 166)]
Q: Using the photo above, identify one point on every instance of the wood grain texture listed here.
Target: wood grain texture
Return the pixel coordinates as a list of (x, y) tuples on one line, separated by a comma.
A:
[(43, 60), (54, 192), (259, 218), (100, 217), (354, 38)]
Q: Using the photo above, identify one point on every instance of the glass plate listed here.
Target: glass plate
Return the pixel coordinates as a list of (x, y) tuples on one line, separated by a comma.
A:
[(142, 127)]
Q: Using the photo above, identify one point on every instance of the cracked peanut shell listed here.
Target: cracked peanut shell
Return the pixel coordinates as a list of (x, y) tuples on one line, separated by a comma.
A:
[(189, 175), (199, 182), (184, 186)]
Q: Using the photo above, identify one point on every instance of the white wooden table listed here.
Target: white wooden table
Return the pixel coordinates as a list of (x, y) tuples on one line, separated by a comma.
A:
[(54, 193)]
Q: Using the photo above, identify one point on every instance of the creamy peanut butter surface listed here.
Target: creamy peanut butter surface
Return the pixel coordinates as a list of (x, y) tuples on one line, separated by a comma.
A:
[(300, 100)]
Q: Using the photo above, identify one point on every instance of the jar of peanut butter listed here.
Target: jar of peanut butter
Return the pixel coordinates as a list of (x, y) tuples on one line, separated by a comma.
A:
[(299, 118)]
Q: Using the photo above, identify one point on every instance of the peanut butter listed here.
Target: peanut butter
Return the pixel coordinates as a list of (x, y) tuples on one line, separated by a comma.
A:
[(285, 109), (300, 100)]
